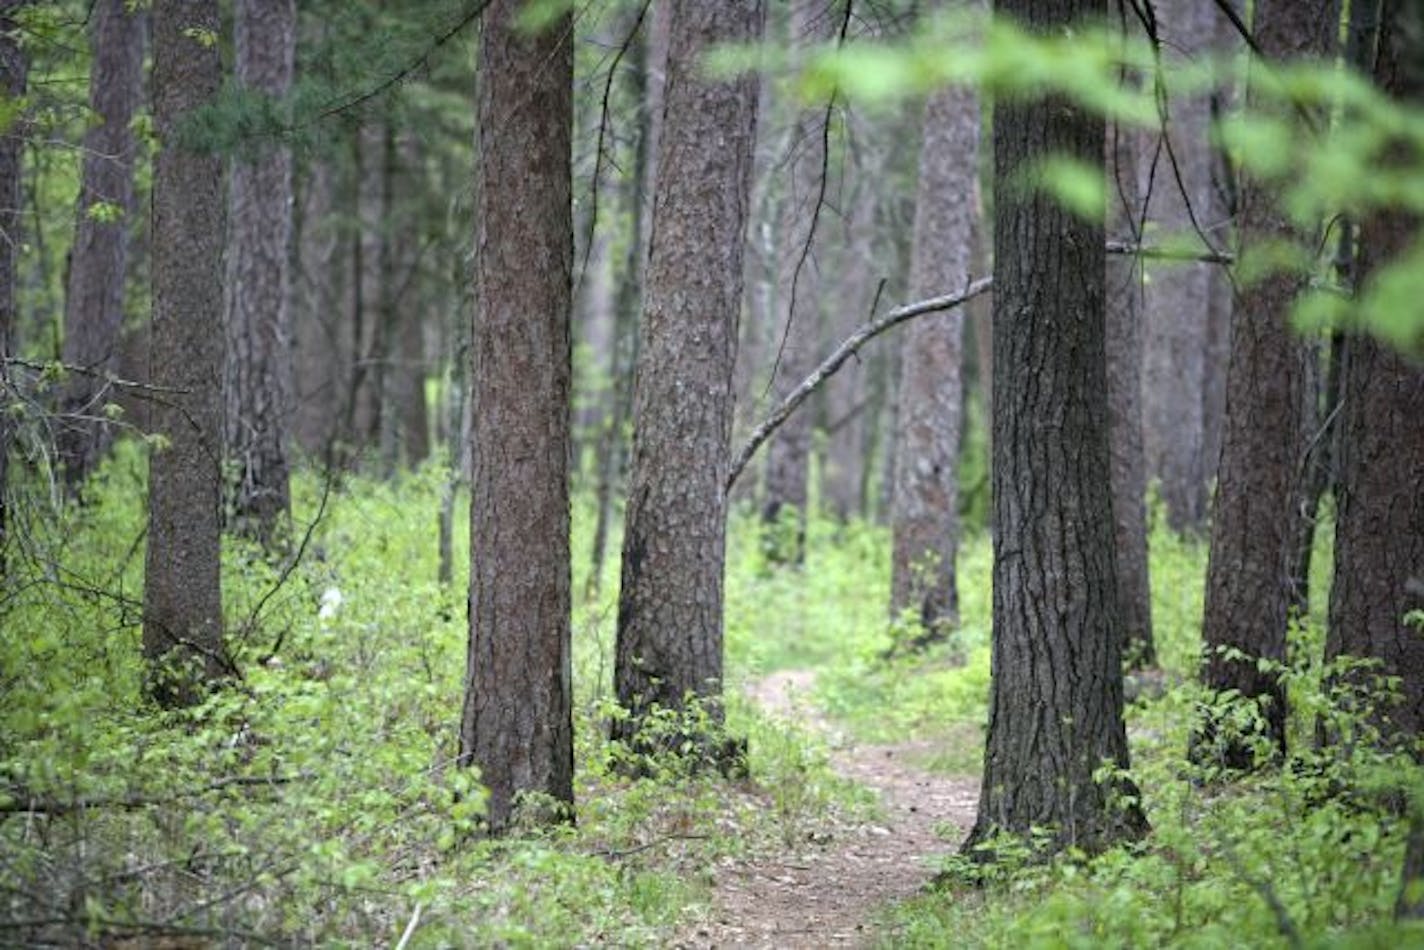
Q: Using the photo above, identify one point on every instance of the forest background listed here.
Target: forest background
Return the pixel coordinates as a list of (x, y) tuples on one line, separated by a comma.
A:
[(248, 375)]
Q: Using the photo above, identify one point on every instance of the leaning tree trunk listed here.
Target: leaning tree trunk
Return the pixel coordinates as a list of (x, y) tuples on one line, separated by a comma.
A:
[(925, 513), (670, 604), (1128, 473), (182, 601), (94, 295), (1258, 486), (13, 68), (1056, 706), (517, 722), (258, 373)]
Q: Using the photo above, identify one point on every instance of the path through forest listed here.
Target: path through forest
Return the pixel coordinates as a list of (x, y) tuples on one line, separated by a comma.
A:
[(828, 894)]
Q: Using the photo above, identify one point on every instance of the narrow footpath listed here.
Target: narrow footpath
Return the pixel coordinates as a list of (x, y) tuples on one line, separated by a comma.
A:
[(829, 895)]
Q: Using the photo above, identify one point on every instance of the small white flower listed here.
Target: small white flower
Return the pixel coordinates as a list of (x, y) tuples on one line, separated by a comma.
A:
[(331, 600)]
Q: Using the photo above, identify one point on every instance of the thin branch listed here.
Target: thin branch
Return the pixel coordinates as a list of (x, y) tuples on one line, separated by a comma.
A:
[(55, 807), (837, 359), (1155, 252)]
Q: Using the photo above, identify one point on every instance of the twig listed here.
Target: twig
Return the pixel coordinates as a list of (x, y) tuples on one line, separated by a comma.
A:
[(55, 807), (1155, 252), (838, 358), (410, 927)]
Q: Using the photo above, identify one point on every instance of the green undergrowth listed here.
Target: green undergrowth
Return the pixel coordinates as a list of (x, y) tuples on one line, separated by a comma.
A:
[(316, 801)]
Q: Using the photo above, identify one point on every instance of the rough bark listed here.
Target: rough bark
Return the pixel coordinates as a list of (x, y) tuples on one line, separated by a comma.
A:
[(94, 295), (258, 370), (370, 262), (13, 70), (925, 516), (1056, 703), (798, 299), (517, 722), (670, 604), (182, 602), (322, 329), (1177, 295), (1256, 509), (1128, 472)]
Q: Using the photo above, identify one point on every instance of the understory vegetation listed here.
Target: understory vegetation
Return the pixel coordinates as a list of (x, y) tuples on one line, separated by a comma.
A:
[(315, 800)]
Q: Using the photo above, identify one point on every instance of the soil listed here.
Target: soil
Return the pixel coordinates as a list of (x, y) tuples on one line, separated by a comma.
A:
[(830, 892)]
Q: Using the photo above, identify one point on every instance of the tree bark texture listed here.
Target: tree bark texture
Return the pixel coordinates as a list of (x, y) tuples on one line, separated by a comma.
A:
[(1128, 472), (670, 605), (323, 337), (925, 517), (258, 374), (13, 71), (1056, 703), (1256, 511), (517, 721), (798, 296), (94, 295), (182, 602), (1379, 521), (1178, 295)]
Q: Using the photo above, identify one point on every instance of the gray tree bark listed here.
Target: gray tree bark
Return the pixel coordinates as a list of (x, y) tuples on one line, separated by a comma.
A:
[(13, 71), (258, 370), (925, 517), (94, 295), (1056, 704), (1124, 367), (517, 724), (1256, 510), (182, 600), (1178, 295), (324, 345), (670, 605)]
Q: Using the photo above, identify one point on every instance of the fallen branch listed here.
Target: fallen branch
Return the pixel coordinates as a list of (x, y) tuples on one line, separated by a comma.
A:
[(837, 359), (22, 805)]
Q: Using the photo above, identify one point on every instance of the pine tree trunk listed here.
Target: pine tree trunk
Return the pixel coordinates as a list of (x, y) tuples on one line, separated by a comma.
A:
[(182, 601), (1056, 706), (1178, 295), (1124, 354), (94, 295), (1256, 511), (517, 724), (322, 328), (925, 518), (670, 605), (258, 370), (13, 70)]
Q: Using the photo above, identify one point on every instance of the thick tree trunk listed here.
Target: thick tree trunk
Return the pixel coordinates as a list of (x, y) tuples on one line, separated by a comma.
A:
[(1056, 705), (258, 370), (94, 296), (1124, 367), (1178, 296), (798, 301), (182, 601), (925, 517), (670, 605), (517, 721), (1258, 488), (13, 69)]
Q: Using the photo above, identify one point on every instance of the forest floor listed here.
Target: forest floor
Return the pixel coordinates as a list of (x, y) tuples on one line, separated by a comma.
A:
[(828, 891)]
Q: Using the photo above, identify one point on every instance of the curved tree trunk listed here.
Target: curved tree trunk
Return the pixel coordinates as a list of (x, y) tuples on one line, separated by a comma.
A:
[(925, 515), (517, 722), (94, 296), (1056, 706), (258, 371), (1258, 489), (182, 600), (670, 605)]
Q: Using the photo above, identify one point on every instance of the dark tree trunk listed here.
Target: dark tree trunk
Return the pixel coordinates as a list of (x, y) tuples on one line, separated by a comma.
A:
[(925, 518), (182, 601), (1124, 368), (1056, 705), (324, 345), (258, 372), (94, 297), (670, 605), (517, 723), (1257, 509), (13, 69)]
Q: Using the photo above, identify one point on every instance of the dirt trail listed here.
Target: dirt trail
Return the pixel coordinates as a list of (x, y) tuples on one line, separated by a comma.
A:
[(828, 895)]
